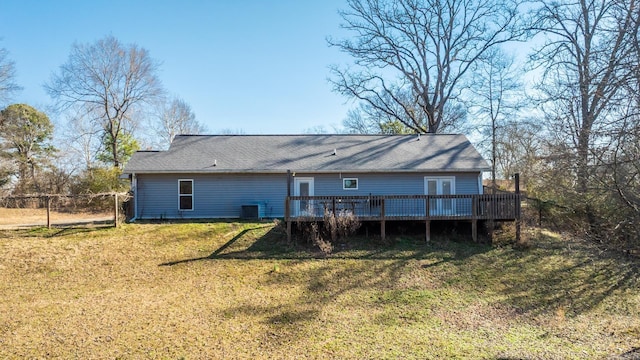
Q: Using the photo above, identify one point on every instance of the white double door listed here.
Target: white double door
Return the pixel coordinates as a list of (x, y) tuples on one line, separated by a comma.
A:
[(440, 185)]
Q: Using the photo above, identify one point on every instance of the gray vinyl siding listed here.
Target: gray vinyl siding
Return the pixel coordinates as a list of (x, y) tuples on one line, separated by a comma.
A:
[(215, 196), (222, 195), (395, 184), (388, 184)]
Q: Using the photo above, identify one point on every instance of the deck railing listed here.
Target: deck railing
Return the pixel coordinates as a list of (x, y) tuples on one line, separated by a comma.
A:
[(504, 206)]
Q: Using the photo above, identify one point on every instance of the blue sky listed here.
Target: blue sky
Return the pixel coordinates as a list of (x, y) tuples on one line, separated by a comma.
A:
[(244, 65)]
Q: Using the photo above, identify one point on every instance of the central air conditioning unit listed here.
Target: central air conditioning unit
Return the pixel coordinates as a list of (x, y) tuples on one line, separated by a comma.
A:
[(252, 211)]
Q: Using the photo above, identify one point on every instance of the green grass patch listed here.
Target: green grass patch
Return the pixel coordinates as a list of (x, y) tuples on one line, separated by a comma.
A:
[(239, 290)]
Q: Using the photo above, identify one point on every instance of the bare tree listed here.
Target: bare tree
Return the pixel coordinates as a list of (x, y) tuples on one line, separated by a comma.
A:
[(357, 122), (521, 149), (175, 118), (7, 77), (589, 55), (625, 165), (495, 96), (316, 130), (81, 138), (616, 183), (415, 54), (368, 119), (111, 81), (230, 131)]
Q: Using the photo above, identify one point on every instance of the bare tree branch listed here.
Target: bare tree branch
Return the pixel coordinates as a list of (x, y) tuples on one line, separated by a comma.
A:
[(176, 118), (112, 81), (420, 47), (589, 55), (7, 77)]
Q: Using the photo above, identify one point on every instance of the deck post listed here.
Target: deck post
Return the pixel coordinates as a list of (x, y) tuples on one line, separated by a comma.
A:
[(427, 221), (287, 219), (474, 230), (427, 228), (382, 220), (516, 177), (474, 218)]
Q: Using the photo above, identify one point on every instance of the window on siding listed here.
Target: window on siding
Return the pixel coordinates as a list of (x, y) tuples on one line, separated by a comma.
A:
[(350, 184), (185, 194)]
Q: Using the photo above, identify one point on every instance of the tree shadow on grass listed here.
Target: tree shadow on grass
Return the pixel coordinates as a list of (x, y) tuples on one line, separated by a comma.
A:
[(572, 276), (378, 266), (550, 276), (280, 315), (273, 246), (217, 252), (365, 276), (55, 231), (360, 282)]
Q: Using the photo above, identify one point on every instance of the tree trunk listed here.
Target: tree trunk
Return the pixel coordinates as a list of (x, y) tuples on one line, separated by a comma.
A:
[(114, 151), (583, 176)]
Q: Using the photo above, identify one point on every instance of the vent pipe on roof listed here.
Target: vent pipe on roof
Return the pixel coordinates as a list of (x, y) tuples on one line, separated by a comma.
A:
[(335, 152), (215, 162), (418, 136)]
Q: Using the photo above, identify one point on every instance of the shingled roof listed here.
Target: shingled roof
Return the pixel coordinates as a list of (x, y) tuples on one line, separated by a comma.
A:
[(310, 153)]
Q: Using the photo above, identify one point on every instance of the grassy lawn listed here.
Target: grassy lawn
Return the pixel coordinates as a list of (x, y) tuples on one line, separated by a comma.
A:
[(237, 290)]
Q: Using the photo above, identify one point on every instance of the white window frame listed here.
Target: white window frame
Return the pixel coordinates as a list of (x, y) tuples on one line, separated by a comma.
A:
[(180, 195), (344, 183)]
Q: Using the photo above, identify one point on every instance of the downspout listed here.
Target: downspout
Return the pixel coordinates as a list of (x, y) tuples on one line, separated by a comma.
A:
[(287, 210), (134, 187)]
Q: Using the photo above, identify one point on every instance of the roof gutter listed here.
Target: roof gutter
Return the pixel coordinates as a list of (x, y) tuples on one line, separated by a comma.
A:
[(314, 171)]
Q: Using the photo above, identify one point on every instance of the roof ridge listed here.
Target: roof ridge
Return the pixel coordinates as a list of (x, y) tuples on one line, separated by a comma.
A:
[(282, 135)]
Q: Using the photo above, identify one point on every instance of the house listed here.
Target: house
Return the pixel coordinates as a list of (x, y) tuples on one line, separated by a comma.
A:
[(388, 177)]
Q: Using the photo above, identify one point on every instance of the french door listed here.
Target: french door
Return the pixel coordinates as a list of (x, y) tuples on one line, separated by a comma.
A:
[(440, 185)]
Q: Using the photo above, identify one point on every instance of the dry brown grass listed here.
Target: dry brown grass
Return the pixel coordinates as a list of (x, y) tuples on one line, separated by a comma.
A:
[(234, 290), (10, 218)]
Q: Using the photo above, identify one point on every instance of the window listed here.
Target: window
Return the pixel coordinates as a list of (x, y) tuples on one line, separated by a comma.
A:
[(185, 194), (350, 184)]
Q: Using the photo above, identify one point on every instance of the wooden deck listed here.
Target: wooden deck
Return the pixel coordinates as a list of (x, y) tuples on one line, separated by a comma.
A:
[(474, 208)]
